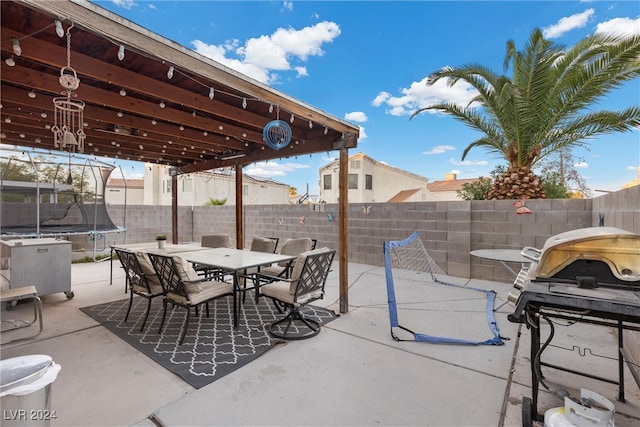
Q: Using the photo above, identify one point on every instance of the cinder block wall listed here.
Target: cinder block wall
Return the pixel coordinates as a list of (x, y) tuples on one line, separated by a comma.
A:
[(622, 210), (449, 230)]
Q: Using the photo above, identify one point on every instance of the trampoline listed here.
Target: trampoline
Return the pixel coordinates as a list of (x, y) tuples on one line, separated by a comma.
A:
[(48, 195)]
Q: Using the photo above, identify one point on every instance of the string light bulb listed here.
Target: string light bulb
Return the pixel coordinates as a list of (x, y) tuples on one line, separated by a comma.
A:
[(211, 93), (161, 104), (16, 46), (244, 103), (170, 73), (32, 94), (121, 52), (10, 61), (123, 92), (59, 29), (292, 118)]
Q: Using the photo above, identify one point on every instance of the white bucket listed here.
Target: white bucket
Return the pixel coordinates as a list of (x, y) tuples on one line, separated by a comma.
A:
[(573, 414)]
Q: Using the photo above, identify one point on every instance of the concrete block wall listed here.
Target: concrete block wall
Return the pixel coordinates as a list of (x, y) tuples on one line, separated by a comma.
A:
[(622, 210), (449, 230), (496, 225)]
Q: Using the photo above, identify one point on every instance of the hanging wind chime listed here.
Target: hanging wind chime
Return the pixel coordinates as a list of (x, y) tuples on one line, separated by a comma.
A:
[(68, 133), (277, 133)]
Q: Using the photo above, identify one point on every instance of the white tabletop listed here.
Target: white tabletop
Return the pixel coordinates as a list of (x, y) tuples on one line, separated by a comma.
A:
[(153, 247), (508, 255), (232, 259)]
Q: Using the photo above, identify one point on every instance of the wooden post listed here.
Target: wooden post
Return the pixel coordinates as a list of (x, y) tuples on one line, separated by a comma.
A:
[(174, 208), (239, 209), (343, 226)]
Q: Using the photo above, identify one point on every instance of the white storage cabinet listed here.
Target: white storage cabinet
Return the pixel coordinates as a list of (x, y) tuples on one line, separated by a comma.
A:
[(44, 263)]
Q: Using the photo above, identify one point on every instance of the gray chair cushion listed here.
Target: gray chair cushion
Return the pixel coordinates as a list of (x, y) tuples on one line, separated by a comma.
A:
[(263, 244), (294, 247), (216, 241)]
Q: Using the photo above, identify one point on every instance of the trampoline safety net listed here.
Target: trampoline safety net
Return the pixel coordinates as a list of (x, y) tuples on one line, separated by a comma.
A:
[(46, 195), (442, 312)]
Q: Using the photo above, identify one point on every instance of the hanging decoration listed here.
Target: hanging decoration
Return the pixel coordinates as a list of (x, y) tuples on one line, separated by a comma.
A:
[(277, 133), (68, 133)]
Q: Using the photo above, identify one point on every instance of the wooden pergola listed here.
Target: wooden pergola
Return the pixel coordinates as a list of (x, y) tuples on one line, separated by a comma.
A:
[(149, 99)]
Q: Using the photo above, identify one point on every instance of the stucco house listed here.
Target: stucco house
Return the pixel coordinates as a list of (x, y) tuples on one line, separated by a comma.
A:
[(195, 189), (373, 181)]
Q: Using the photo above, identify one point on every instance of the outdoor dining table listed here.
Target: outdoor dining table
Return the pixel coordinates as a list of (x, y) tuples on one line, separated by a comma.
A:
[(503, 256), (233, 261)]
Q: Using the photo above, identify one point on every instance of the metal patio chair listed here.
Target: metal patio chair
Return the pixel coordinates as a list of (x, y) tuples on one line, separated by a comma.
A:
[(183, 287), (305, 285), (140, 278)]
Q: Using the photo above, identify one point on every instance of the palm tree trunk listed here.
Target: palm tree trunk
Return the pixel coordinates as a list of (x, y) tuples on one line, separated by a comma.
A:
[(515, 183)]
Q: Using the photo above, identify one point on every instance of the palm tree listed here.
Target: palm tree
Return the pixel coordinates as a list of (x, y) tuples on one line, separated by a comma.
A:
[(547, 104)]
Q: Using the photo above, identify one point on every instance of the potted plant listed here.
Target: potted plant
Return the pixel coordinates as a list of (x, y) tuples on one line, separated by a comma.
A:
[(162, 240)]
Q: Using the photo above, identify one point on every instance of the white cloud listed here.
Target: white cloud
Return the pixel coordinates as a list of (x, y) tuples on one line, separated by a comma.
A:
[(468, 162), (632, 168), (380, 99), (270, 169), (581, 165), (567, 23), (288, 5), (126, 4), (356, 116), (439, 149), (362, 135), (259, 56), (420, 95), (621, 26), (301, 71), (329, 159)]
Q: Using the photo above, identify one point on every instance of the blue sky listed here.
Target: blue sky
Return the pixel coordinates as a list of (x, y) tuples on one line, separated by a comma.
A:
[(366, 62)]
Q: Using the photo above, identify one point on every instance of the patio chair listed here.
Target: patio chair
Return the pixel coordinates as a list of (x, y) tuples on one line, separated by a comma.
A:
[(306, 285), (213, 241), (216, 240), (276, 240), (258, 244), (263, 244), (183, 287), (290, 247), (140, 278)]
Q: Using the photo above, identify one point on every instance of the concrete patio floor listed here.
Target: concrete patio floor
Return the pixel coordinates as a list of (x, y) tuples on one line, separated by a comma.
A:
[(352, 373)]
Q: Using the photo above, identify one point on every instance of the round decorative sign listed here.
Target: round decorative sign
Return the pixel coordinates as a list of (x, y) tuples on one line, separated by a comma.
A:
[(277, 134)]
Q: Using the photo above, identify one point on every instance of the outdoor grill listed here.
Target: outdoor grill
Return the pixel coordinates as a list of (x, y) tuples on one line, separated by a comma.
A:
[(590, 275), (586, 261)]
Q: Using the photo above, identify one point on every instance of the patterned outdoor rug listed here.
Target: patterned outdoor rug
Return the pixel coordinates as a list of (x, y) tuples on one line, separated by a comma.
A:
[(212, 347)]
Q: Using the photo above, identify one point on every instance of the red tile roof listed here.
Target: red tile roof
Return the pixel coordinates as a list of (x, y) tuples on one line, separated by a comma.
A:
[(448, 185), (131, 183), (403, 195)]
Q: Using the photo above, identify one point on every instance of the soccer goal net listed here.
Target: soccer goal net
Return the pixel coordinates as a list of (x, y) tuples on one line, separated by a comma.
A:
[(441, 311)]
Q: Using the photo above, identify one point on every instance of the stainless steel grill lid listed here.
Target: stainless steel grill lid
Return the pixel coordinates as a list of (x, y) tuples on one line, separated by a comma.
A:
[(590, 250)]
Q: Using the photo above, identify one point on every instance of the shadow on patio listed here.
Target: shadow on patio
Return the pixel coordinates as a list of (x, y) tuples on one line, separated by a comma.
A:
[(352, 373)]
